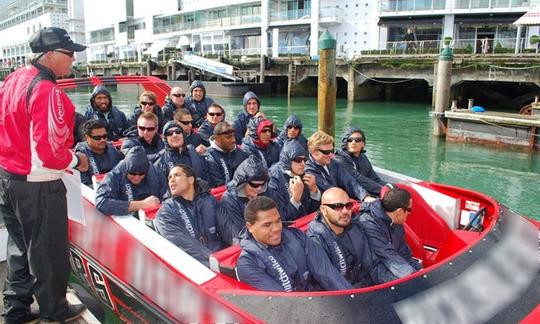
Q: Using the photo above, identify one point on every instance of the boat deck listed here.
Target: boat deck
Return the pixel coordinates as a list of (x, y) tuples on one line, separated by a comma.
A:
[(494, 117)]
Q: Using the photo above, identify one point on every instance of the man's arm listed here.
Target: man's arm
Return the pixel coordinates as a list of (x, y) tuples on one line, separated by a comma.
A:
[(251, 273)]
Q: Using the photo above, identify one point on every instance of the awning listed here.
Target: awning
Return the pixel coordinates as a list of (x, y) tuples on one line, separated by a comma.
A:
[(531, 18), (159, 45)]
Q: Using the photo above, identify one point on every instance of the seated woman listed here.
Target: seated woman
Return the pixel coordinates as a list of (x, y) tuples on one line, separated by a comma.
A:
[(188, 218), (147, 103)]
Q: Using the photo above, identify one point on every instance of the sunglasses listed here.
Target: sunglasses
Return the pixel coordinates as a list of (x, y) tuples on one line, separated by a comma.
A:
[(70, 54), (215, 114), (186, 122), (148, 129), (326, 152), (293, 126), (99, 137), (355, 139), (144, 103), (300, 159), (266, 130), (170, 132), (178, 94), (137, 173), (256, 185), (340, 206)]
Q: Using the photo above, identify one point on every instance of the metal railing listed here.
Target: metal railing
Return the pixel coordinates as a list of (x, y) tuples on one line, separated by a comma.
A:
[(387, 6), (204, 23), (290, 15)]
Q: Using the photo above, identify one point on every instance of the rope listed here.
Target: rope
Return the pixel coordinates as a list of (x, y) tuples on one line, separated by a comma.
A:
[(380, 81)]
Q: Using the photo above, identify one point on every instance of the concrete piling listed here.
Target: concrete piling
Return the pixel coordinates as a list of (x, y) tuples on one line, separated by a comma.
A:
[(327, 85)]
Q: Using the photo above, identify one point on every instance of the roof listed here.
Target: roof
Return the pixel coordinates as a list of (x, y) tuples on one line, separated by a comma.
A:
[(531, 18)]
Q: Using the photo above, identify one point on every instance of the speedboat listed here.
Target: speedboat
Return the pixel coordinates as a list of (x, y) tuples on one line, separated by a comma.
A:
[(481, 263)]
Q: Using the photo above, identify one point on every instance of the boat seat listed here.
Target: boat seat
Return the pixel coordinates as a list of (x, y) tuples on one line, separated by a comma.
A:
[(224, 261), (218, 192)]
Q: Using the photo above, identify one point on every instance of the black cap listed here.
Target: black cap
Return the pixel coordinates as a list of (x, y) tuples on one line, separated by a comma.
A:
[(51, 38)]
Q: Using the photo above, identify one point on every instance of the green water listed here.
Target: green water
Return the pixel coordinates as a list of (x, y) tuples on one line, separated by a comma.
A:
[(399, 139)]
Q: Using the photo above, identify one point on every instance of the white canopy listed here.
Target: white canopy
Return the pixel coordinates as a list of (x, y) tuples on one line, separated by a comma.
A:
[(532, 17)]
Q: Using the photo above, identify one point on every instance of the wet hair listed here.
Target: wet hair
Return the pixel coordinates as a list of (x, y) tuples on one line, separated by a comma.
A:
[(188, 171), (394, 199), (149, 116), (215, 105), (181, 113), (259, 203), (88, 126), (319, 138), (148, 94)]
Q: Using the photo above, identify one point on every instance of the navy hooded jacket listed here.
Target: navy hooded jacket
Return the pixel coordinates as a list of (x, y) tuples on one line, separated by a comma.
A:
[(191, 225), (222, 165), (292, 120), (98, 163), (269, 155), (169, 109), (296, 264), (336, 176), (359, 167), (116, 120), (115, 191), (387, 241), (242, 119), (232, 203), (152, 150), (205, 132), (198, 109), (278, 187), (169, 157), (349, 252), (137, 111)]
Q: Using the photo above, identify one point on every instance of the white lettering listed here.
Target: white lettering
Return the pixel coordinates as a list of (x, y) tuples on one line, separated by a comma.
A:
[(283, 277)]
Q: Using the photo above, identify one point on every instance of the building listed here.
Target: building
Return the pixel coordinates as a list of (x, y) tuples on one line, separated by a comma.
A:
[(20, 19)]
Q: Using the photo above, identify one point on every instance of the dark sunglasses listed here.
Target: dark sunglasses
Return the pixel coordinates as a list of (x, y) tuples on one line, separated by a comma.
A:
[(340, 206), (186, 122), (98, 137), (137, 173), (256, 185), (326, 152), (178, 94), (355, 139), (170, 132), (300, 159), (144, 103), (214, 114), (70, 54), (148, 129), (266, 130), (293, 126)]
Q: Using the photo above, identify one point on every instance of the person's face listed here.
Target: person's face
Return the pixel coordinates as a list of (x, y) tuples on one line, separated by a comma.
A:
[(177, 96), (146, 129), (147, 104), (97, 140), (334, 210), (293, 131), (402, 214), (60, 61), (355, 143), (135, 178), (227, 142), (214, 115), (266, 135), (323, 154), (102, 102), (267, 228), (179, 183), (186, 122), (175, 137), (298, 165), (197, 94), (252, 107), (254, 188)]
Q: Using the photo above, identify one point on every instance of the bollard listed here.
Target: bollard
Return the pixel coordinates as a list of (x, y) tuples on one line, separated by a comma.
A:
[(470, 104), (442, 94), (327, 86)]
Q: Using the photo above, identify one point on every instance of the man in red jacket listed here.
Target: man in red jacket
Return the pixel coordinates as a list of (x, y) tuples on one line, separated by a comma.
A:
[(36, 125)]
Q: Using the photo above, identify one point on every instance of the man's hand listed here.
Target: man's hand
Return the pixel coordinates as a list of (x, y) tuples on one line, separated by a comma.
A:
[(201, 149), (296, 188), (309, 180), (83, 162), (369, 199)]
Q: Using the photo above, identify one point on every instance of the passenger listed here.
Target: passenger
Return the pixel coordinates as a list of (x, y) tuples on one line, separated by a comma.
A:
[(77, 131), (222, 156), (292, 129), (344, 240), (294, 191), (185, 120), (188, 218), (146, 136), (329, 173), (101, 107), (383, 223), (148, 103), (102, 156), (352, 157), (177, 152), (274, 258), (252, 106), (215, 115), (174, 102), (250, 180), (197, 102), (132, 185), (259, 142)]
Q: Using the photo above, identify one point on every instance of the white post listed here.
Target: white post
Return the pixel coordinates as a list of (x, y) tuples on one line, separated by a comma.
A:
[(265, 11), (314, 37), (518, 39), (275, 42)]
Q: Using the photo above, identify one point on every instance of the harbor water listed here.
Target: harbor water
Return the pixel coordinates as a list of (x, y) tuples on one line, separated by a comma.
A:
[(399, 139)]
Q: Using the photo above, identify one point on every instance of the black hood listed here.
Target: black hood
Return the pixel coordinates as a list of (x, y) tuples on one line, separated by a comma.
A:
[(170, 124), (197, 84), (250, 95), (251, 169), (348, 133), (291, 149), (99, 89), (136, 160)]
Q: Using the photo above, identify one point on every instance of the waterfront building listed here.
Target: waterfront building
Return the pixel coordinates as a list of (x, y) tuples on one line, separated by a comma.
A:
[(22, 18)]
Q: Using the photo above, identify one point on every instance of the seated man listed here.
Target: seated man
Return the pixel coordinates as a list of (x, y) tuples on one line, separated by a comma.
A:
[(101, 107), (177, 152), (174, 102), (250, 180), (295, 192), (259, 142), (102, 156), (344, 241), (132, 185), (214, 116), (188, 218), (185, 120), (383, 223), (292, 130), (146, 136), (252, 106), (274, 258), (147, 103), (222, 156), (197, 102), (327, 172), (352, 157)]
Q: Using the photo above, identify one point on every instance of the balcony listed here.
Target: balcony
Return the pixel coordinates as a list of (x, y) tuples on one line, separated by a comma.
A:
[(331, 16), (393, 6), (219, 23), (288, 15)]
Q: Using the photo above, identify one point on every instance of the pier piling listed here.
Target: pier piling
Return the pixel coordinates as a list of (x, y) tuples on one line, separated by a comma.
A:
[(442, 94), (327, 85)]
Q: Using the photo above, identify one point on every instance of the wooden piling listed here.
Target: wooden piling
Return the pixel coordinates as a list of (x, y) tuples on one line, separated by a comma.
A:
[(442, 94), (327, 85)]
